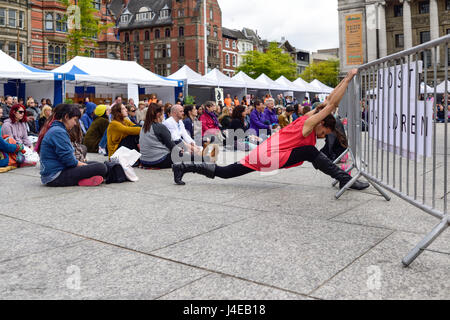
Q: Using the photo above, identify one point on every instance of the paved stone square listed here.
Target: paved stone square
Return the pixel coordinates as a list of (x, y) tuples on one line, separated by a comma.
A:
[(282, 236)]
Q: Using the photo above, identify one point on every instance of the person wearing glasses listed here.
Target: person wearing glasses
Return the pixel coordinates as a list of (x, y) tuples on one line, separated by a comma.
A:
[(16, 125), (132, 113)]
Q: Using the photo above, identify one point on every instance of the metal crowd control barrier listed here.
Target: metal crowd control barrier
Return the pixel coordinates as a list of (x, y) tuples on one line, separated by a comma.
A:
[(402, 148)]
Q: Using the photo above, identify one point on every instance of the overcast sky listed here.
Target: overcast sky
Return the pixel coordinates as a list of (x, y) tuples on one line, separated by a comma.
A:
[(307, 24)]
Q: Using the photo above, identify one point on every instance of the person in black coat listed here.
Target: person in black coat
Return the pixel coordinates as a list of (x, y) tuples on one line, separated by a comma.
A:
[(190, 113)]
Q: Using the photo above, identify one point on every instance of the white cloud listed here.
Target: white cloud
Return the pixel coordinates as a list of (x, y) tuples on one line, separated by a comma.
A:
[(306, 24)]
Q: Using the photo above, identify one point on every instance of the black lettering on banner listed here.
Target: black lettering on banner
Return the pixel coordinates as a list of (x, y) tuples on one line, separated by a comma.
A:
[(413, 124), (404, 123), (395, 123)]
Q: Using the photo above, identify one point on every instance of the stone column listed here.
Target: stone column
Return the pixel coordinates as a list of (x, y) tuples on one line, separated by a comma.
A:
[(407, 27), (371, 31), (382, 36), (434, 23)]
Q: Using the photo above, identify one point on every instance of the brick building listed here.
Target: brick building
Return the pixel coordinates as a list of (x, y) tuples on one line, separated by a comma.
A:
[(35, 32), (48, 40), (230, 53), (164, 35)]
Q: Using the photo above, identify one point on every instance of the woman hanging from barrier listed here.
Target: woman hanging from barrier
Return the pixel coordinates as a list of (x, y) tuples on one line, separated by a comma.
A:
[(287, 148)]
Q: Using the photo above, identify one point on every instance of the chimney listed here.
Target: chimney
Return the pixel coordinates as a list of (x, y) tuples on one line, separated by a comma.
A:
[(125, 3)]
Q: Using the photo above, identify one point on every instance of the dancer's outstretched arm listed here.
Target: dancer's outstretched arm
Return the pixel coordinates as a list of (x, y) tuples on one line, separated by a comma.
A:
[(331, 104)]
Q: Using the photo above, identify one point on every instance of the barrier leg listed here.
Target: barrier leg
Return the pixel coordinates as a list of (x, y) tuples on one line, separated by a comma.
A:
[(341, 156), (348, 185), (426, 242)]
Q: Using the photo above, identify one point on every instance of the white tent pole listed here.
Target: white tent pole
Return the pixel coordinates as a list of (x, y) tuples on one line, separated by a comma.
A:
[(206, 37)]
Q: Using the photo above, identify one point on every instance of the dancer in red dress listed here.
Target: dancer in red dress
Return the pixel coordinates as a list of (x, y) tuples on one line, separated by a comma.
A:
[(287, 148)]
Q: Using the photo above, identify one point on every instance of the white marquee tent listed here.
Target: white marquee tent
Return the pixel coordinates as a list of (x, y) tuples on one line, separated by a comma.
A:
[(320, 86), (221, 80), (290, 86), (191, 77), (270, 84), (304, 86), (441, 88), (249, 82)]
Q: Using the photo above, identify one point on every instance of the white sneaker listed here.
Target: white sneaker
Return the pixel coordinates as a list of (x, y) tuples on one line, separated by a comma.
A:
[(102, 151)]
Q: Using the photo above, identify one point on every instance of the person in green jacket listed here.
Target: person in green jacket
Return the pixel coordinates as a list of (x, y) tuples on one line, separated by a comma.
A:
[(97, 129)]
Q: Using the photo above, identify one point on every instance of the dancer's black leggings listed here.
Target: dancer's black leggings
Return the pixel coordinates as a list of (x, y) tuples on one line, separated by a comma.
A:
[(70, 177), (301, 154)]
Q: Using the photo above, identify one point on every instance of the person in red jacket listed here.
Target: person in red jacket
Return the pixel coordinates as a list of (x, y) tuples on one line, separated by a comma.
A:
[(210, 122)]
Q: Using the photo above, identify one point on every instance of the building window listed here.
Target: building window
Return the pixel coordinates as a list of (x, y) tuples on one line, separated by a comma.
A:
[(213, 50), (167, 33), (2, 17), (145, 14), (96, 4), (124, 18), (424, 36), (147, 36), (136, 36), (227, 43), (208, 31), (163, 51), (92, 53), (59, 23), (447, 5), (136, 53), (157, 34), (164, 13), (234, 61), (127, 37), (234, 44), (215, 33), (398, 10), (2, 46), (12, 49), (21, 19), (180, 13), (181, 32), (424, 7), (181, 49), (12, 18), (227, 59), (56, 54), (211, 14), (147, 54), (49, 21), (399, 40)]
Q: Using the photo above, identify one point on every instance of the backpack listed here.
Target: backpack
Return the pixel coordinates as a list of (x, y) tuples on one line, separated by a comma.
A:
[(115, 174)]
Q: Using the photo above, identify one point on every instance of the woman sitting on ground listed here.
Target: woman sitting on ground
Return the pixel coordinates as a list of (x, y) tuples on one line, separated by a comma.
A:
[(10, 151), (121, 131), (238, 128), (97, 129), (225, 118), (132, 114), (190, 113), (59, 167), (45, 114), (155, 140), (287, 148), (16, 126)]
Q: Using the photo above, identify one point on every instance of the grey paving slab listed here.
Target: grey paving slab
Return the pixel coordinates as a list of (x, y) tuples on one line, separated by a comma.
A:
[(91, 270), (395, 215), (379, 274), (306, 201), (284, 251), (21, 238), (134, 220), (28, 186), (220, 287)]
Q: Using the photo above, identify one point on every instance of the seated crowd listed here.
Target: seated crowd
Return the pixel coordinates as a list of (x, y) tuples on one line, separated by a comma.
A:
[(63, 135)]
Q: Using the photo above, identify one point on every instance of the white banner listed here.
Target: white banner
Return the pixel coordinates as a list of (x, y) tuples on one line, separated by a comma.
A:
[(397, 117)]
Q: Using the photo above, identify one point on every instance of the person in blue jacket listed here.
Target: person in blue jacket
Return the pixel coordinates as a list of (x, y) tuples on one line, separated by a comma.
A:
[(270, 114), (88, 116), (59, 167), (257, 119)]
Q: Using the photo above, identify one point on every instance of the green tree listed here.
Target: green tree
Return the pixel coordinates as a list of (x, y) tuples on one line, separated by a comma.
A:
[(84, 27), (326, 72), (274, 63)]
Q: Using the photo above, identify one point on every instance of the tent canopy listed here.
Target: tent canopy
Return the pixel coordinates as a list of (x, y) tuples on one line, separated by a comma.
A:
[(191, 77), (288, 84), (250, 83), (10, 68), (221, 80), (270, 84), (95, 70), (304, 86), (320, 86)]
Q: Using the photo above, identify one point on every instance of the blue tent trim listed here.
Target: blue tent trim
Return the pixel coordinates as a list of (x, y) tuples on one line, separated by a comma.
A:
[(179, 82), (74, 71)]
